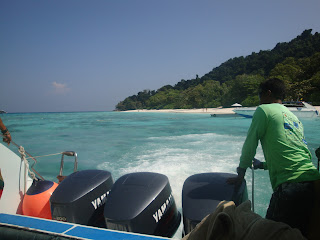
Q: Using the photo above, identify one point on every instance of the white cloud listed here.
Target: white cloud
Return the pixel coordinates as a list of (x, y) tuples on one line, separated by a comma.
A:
[(60, 88)]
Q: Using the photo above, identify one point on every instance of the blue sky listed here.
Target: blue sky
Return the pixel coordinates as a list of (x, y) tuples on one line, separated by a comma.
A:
[(76, 55)]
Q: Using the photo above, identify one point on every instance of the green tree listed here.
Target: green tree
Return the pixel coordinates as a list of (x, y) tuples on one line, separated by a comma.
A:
[(296, 62), (242, 87)]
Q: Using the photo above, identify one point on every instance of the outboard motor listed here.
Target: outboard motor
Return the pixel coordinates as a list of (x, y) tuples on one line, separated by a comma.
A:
[(142, 203), (202, 193), (80, 198)]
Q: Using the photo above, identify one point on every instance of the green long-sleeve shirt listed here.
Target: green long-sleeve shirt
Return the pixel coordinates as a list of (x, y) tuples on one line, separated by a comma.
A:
[(284, 147)]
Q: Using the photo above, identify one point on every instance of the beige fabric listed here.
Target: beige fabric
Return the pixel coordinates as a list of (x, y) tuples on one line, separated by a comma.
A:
[(231, 222)]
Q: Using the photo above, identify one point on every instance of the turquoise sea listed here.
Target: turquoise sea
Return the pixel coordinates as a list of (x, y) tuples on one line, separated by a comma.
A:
[(175, 144)]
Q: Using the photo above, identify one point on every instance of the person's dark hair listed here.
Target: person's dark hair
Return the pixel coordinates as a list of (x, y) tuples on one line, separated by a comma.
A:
[(276, 86)]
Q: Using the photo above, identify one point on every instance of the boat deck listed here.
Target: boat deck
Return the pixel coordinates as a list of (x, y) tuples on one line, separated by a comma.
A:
[(18, 224)]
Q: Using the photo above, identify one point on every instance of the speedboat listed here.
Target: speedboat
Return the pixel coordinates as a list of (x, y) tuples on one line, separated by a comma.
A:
[(88, 204), (2, 111), (300, 109)]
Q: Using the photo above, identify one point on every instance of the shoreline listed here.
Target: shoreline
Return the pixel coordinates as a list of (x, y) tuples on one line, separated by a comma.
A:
[(217, 111), (196, 110)]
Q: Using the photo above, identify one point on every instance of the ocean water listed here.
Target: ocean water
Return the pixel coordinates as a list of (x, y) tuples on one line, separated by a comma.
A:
[(175, 144)]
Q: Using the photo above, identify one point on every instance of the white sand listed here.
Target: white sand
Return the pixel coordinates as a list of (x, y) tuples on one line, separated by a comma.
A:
[(218, 111), (198, 110)]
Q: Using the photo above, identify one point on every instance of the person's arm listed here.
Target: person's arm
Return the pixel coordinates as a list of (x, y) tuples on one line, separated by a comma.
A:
[(255, 132), (2, 126), (5, 132)]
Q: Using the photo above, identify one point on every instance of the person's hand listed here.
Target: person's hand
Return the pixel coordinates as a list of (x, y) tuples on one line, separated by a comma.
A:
[(237, 180), (257, 164), (6, 136)]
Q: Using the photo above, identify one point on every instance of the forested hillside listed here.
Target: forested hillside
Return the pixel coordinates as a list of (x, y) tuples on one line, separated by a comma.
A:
[(236, 80)]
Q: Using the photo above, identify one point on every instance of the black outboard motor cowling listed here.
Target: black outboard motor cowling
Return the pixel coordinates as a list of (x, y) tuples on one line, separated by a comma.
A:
[(142, 203), (202, 193), (80, 198)]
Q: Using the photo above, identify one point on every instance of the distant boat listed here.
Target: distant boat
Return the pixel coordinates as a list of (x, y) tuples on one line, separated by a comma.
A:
[(2, 111), (300, 109)]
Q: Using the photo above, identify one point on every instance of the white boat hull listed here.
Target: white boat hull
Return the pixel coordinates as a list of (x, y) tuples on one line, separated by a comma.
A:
[(308, 111)]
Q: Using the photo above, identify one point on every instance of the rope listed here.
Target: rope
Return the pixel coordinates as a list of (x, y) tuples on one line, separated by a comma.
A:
[(24, 159), (53, 154), (34, 158)]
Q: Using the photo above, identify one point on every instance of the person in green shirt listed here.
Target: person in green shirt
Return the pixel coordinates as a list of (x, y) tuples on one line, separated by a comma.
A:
[(291, 171)]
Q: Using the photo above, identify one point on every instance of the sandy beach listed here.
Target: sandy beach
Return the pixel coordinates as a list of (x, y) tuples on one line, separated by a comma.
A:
[(218, 111), (198, 110)]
